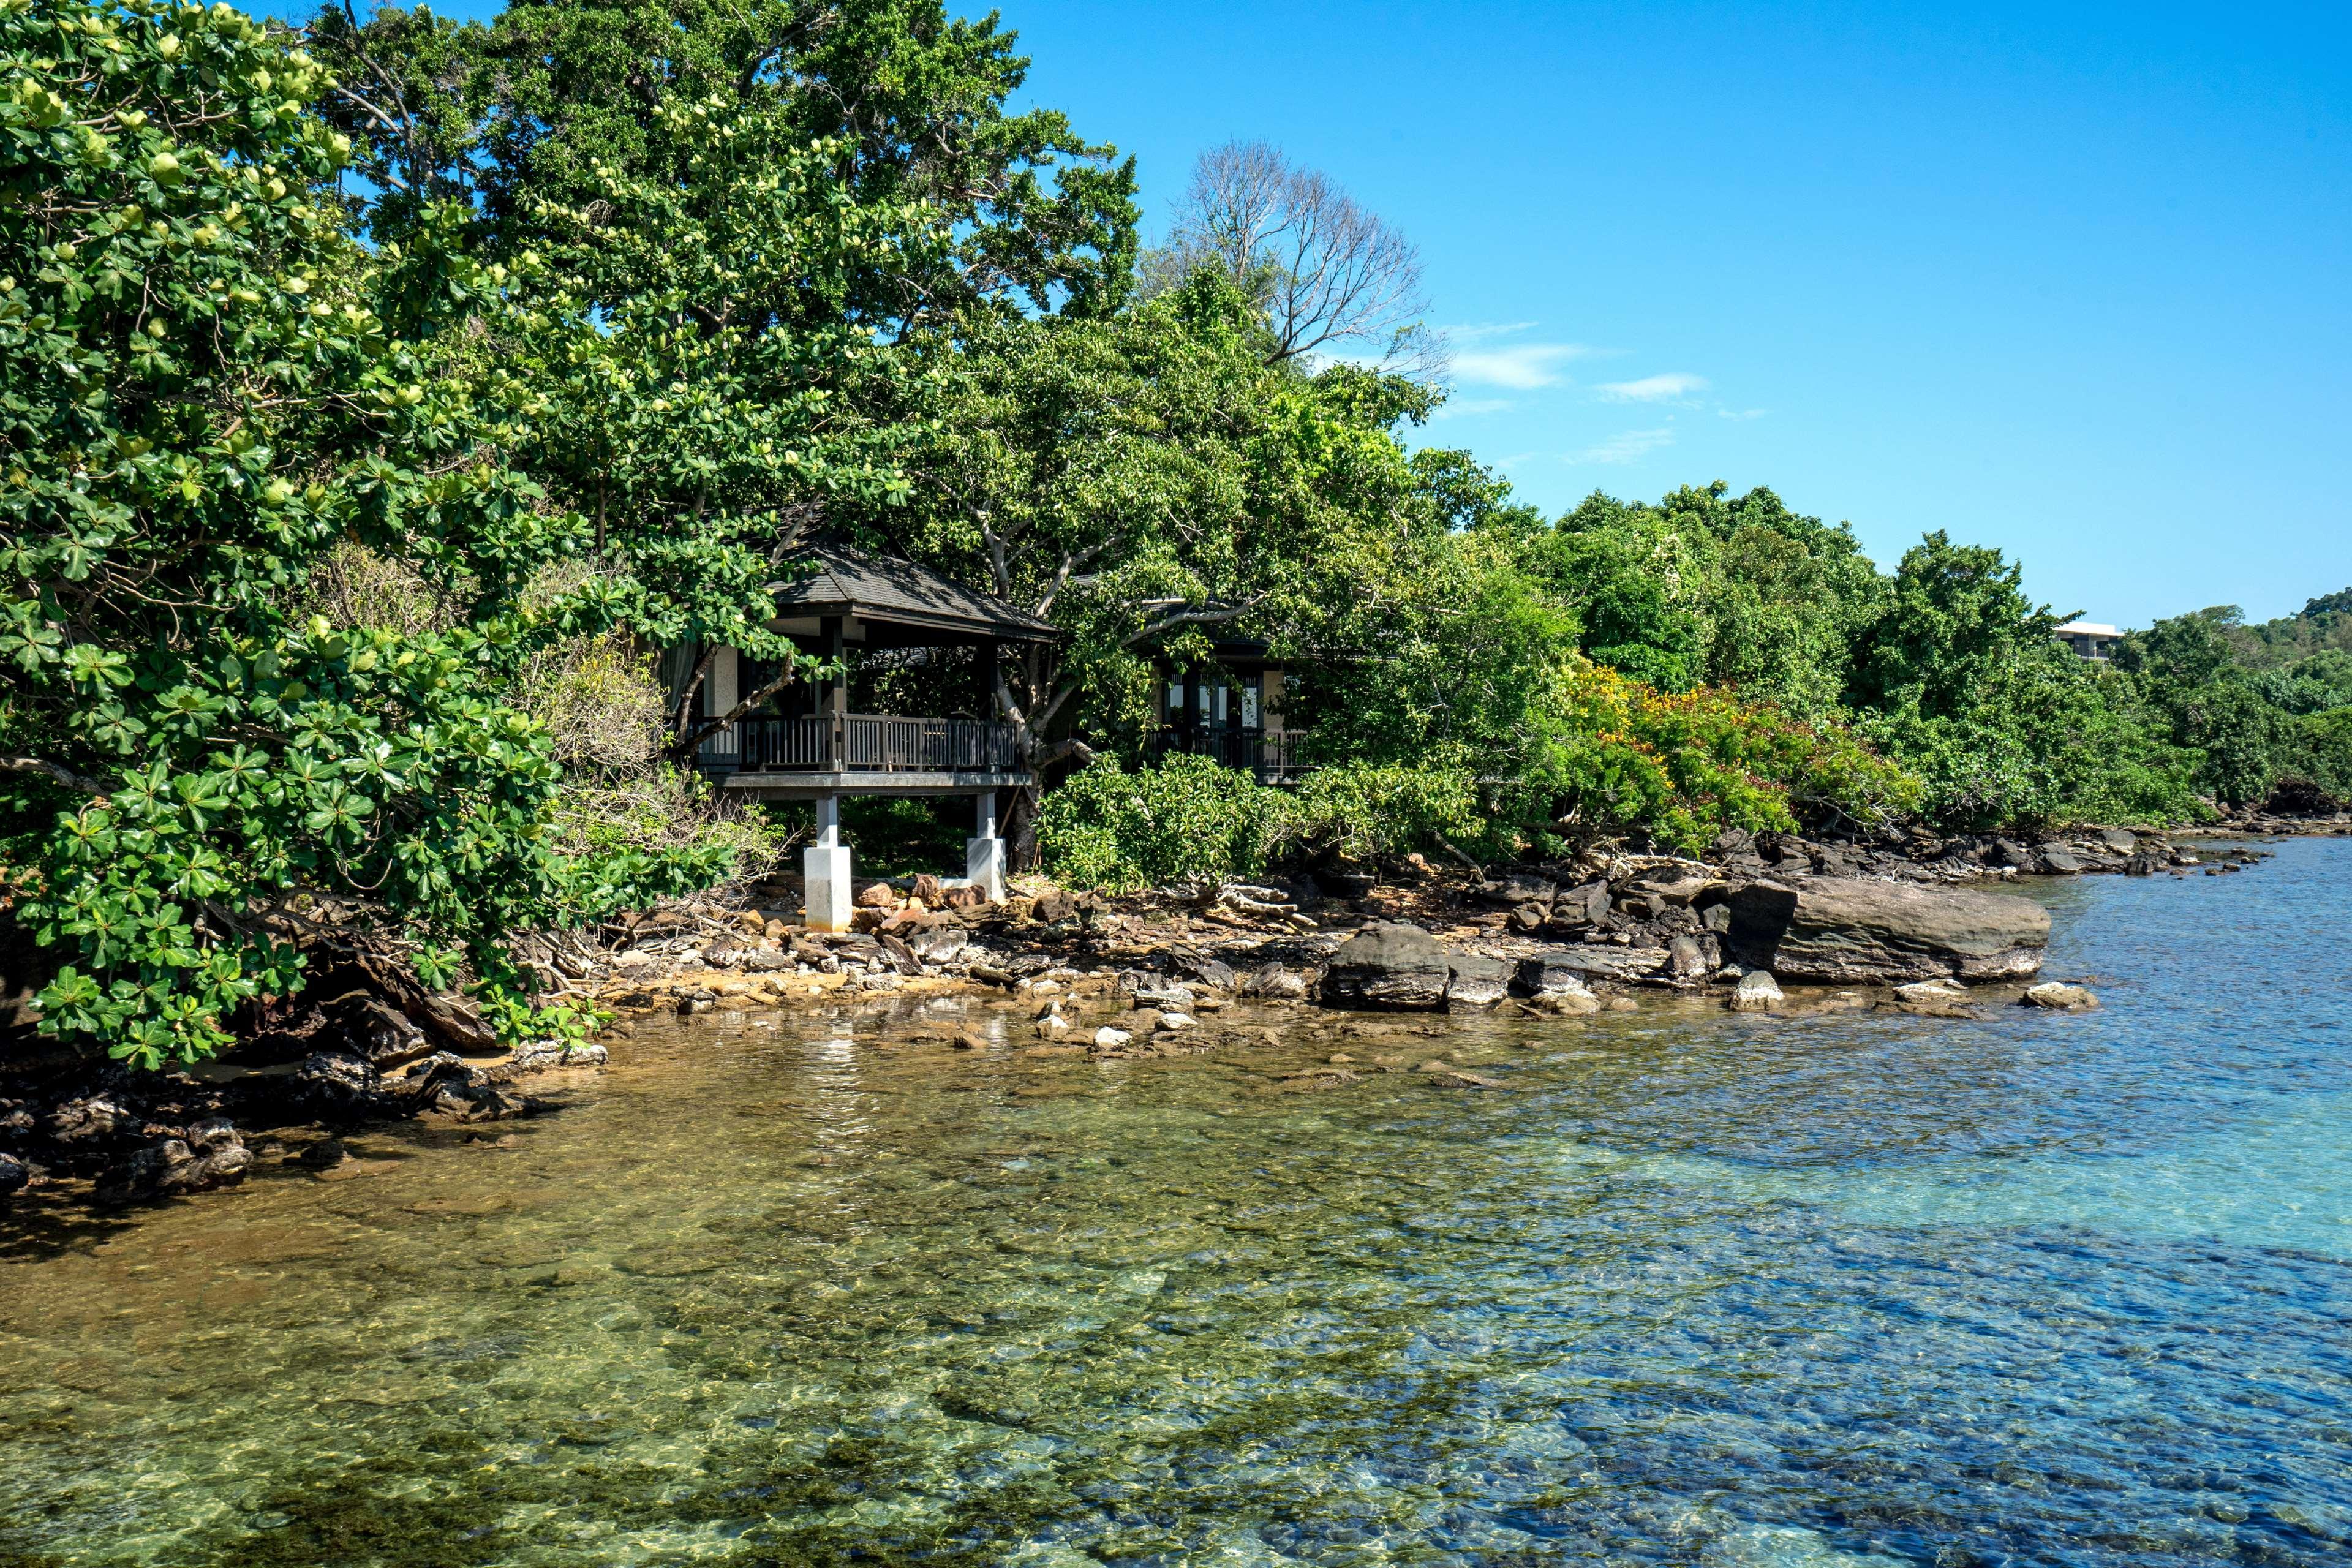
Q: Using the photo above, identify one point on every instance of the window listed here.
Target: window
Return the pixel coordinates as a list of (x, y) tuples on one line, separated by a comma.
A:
[(1249, 706), (1221, 703)]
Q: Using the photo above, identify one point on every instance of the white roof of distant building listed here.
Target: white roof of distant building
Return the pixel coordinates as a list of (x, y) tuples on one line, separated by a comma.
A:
[(2087, 630)]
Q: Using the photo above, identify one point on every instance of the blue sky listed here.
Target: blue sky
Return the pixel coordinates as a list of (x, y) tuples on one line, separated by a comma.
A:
[(2075, 280)]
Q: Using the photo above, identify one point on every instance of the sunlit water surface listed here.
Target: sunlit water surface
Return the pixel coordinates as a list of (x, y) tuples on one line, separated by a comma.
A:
[(1694, 1289)]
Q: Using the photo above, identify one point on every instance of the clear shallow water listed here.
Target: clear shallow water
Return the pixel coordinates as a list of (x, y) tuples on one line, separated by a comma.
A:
[(1856, 1291)]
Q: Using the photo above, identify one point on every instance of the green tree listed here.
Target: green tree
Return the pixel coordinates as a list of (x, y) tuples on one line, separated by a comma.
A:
[(542, 109), (1706, 587), (204, 385)]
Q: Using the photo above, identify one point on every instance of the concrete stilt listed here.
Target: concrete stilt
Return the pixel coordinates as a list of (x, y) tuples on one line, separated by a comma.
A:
[(983, 852), (824, 868)]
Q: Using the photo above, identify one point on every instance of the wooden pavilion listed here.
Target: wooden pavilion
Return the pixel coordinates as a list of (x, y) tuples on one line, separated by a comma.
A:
[(806, 744)]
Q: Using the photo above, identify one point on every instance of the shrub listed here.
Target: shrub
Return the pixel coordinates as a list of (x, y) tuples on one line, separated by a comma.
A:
[(1686, 765), (1106, 827), (1360, 809)]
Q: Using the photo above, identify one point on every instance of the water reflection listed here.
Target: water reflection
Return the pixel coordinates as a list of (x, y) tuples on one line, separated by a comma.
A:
[(1692, 1289)]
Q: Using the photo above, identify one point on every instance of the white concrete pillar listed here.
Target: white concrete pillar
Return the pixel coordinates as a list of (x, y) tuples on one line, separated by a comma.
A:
[(983, 852), (722, 682), (825, 869)]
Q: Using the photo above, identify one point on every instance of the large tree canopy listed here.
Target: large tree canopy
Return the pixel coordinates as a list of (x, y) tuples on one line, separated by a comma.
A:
[(204, 385), (545, 105)]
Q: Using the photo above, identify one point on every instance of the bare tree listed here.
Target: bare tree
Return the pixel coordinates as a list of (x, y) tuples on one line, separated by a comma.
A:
[(1330, 276)]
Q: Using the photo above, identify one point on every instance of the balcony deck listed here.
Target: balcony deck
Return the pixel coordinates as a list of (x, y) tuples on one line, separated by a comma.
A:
[(865, 754)]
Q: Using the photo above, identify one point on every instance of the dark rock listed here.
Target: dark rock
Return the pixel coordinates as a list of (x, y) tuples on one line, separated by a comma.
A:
[(1209, 971), (1528, 917), (1734, 841), (2118, 840), (762, 962), (1686, 959), (1586, 905), (1343, 881), (877, 896), (2009, 852), (211, 1155), (324, 1155), (1515, 890), (91, 1118), (927, 889), (14, 1175), (1857, 930), (1473, 981), (1054, 905), (901, 956), (1588, 962), (2057, 859), (334, 1085), (1388, 966), (2144, 864), (443, 1083), (967, 896), (1716, 918)]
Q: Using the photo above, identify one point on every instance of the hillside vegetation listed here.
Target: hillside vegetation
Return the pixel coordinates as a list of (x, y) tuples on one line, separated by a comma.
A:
[(375, 402)]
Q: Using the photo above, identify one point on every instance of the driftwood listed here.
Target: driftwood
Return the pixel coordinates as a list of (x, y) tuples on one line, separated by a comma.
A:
[(362, 1002)]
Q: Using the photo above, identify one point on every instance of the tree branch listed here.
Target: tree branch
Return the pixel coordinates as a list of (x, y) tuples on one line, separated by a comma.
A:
[(56, 770)]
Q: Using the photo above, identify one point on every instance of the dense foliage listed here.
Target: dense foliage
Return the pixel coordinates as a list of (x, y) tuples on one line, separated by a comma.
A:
[(204, 385), (376, 401), (1189, 819)]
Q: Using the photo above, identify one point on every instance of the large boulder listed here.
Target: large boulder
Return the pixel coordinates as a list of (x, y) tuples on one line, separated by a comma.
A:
[(1847, 931), (1475, 981), (1390, 966), (1588, 962)]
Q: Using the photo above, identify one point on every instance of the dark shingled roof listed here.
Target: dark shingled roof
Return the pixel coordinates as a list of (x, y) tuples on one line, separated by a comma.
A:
[(849, 582)]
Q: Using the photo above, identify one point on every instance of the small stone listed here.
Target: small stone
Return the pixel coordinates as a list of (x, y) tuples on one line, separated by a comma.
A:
[(1756, 991), (1445, 1075), (967, 1041), (1170, 1023), (1273, 982), (1109, 1037), (324, 1155), (1623, 1005), (1338, 1058), (2059, 997)]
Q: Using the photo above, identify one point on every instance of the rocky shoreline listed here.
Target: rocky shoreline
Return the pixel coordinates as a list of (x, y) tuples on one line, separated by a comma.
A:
[(1917, 925)]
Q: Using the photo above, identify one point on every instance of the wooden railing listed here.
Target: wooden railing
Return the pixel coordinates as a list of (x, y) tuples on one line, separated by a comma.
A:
[(1271, 757), (865, 742)]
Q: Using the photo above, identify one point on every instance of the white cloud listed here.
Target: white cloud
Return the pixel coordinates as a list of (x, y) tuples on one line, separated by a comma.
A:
[(1629, 447), (1477, 331), (1665, 388), (1467, 407), (1522, 367), (1741, 412)]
